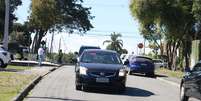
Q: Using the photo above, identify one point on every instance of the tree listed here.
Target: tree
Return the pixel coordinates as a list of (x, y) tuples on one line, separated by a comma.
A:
[(124, 51), (196, 10), (58, 15), (115, 43), (172, 18), (21, 34), (13, 6)]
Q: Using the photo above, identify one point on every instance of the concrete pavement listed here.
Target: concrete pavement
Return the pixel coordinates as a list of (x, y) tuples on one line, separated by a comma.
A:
[(40, 72), (59, 86)]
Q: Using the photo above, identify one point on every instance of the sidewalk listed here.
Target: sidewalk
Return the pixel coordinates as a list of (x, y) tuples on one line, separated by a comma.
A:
[(171, 80), (31, 63), (40, 72)]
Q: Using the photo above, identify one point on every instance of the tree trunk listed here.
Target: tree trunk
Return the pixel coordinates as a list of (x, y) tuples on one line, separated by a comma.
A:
[(169, 55), (187, 52), (174, 59), (37, 41), (172, 47)]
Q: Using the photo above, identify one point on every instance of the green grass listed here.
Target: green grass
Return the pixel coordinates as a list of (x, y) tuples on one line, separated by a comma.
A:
[(20, 68), (163, 71), (11, 83)]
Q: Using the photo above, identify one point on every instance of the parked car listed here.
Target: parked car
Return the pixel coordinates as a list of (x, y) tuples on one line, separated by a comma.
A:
[(158, 63), (100, 68), (141, 64), (82, 48), (191, 83), (5, 58)]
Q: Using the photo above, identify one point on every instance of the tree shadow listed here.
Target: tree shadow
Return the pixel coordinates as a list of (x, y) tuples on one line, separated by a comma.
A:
[(160, 75), (155, 76), (9, 70), (130, 91), (52, 98)]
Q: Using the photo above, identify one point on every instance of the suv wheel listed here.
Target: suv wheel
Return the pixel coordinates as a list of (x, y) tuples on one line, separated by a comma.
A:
[(183, 96), (2, 65)]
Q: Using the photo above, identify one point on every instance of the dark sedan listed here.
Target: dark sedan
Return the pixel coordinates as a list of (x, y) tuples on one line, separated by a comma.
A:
[(191, 84), (100, 68), (141, 64)]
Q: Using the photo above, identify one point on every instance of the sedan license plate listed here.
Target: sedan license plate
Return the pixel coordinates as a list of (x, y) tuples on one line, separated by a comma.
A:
[(102, 80)]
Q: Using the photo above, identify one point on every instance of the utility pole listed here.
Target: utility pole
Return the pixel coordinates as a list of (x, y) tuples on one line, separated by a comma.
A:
[(144, 45), (51, 47), (6, 25), (59, 44)]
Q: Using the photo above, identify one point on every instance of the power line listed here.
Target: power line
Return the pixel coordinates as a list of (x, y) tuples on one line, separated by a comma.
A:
[(99, 31), (105, 5), (106, 35)]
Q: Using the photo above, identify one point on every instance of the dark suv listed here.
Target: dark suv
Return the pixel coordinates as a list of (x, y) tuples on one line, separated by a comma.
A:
[(82, 48), (100, 68), (191, 83)]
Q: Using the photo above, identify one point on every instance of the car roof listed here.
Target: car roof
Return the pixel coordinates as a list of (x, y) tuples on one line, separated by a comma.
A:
[(90, 46), (99, 50), (141, 56)]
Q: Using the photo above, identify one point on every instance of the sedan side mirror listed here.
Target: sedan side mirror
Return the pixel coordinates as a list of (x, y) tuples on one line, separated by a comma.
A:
[(187, 71)]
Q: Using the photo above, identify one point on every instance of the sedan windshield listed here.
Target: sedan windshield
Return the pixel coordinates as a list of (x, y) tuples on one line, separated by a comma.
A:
[(100, 57)]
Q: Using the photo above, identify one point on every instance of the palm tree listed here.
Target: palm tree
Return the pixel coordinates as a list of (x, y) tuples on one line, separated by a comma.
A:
[(114, 43)]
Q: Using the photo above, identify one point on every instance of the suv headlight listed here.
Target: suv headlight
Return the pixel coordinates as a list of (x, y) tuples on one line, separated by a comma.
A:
[(83, 70), (122, 72)]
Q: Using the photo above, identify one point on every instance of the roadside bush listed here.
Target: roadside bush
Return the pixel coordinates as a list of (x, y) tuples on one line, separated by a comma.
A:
[(68, 58)]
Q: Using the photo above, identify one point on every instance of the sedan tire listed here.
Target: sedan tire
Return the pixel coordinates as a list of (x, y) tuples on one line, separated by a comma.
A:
[(183, 96), (122, 88), (2, 64), (130, 73), (150, 74), (78, 87)]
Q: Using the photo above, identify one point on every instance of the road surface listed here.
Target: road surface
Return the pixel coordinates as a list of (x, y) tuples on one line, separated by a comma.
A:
[(59, 86)]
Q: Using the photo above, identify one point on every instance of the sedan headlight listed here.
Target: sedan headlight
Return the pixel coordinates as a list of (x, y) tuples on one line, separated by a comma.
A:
[(83, 70), (122, 72)]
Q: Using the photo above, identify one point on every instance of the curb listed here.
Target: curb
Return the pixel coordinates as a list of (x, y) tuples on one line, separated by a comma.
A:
[(169, 82), (30, 86)]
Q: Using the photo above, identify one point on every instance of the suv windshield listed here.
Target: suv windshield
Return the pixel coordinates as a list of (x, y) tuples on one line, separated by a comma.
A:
[(100, 57)]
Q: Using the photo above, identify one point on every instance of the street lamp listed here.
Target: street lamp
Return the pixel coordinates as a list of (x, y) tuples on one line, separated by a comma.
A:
[(6, 25)]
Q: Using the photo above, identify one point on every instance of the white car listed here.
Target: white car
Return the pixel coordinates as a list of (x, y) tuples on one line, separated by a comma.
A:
[(5, 58), (158, 63)]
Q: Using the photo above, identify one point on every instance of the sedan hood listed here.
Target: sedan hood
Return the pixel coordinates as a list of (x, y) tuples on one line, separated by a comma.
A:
[(102, 67)]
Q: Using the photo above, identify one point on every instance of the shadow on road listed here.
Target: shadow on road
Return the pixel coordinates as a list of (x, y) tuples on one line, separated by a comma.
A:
[(155, 76), (52, 98), (9, 70), (130, 91), (160, 75)]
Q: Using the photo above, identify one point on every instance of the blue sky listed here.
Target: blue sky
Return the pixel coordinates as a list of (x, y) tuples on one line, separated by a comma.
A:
[(110, 16)]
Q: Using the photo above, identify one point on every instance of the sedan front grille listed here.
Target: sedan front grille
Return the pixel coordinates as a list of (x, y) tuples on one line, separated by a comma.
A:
[(102, 74)]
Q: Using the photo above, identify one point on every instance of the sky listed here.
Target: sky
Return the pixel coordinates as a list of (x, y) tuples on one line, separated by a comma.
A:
[(110, 16)]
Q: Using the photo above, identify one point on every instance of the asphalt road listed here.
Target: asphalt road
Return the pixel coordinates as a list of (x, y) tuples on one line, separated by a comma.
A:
[(59, 86)]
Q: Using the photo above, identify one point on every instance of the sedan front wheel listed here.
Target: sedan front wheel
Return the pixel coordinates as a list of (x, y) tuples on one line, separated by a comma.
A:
[(183, 96)]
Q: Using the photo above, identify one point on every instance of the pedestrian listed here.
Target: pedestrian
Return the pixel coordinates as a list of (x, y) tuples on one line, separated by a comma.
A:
[(40, 55), (60, 57)]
